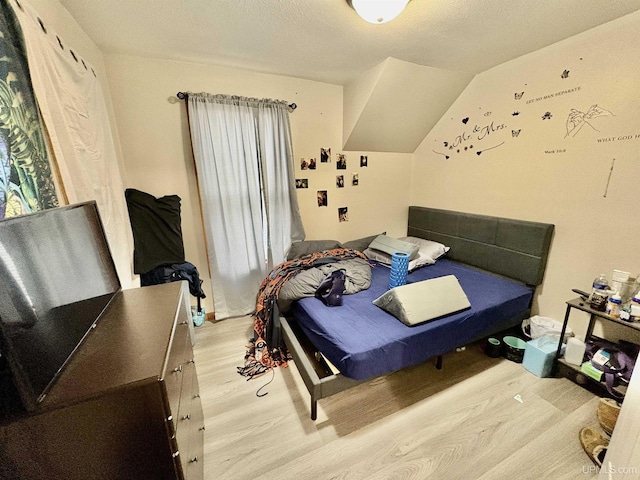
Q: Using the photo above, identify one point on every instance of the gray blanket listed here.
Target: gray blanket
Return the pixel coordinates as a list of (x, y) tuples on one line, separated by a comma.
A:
[(305, 283)]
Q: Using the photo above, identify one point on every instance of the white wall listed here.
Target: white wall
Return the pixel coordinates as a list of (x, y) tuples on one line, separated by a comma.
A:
[(158, 159), (526, 165)]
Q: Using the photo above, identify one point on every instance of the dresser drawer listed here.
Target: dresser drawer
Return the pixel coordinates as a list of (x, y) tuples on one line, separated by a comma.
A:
[(190, 425), (175, 371)]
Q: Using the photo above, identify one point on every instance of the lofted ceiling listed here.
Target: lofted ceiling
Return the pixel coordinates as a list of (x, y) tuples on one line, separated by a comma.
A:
[(440, 45)]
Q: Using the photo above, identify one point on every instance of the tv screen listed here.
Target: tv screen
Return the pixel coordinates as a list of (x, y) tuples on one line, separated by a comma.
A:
[(56, 278)]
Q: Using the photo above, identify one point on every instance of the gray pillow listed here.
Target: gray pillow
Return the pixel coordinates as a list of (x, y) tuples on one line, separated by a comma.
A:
[(360, 244), (390, 245), (298, 249), (419, 302)]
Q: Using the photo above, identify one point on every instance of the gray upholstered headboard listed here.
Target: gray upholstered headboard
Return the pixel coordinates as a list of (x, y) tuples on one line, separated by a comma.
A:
[(514, 248)]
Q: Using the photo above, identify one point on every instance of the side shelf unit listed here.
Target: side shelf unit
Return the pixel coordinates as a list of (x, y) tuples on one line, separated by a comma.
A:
[(573, 372)]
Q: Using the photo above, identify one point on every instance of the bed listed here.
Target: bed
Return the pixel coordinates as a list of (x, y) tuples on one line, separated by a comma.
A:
[(498, 262)]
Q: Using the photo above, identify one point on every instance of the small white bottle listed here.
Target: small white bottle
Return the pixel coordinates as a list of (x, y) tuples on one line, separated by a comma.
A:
[(613, 306), (575, 351)]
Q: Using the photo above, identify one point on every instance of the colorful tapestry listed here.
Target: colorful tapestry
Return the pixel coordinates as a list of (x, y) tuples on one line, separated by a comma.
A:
[(26, 181)]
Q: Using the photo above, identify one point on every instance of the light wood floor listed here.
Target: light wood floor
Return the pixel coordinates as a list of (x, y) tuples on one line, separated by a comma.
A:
[(458, 423)]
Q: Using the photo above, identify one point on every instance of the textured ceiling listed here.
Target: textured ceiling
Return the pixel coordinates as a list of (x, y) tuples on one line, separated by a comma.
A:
[(325, 40)]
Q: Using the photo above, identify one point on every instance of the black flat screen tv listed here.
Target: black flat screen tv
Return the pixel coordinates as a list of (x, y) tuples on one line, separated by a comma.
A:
[(57, 277)]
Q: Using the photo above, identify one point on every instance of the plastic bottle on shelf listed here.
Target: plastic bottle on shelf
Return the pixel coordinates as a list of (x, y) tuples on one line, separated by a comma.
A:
[(613, 306), (599, 293), (635, 308)]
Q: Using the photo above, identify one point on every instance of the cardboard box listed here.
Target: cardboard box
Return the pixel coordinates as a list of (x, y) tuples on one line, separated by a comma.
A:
[(539, 354)]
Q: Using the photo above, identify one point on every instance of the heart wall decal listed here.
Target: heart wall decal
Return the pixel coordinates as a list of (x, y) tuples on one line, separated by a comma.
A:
[(465, 120)]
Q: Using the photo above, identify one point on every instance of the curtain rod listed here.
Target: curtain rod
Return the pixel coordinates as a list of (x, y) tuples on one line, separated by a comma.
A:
[(183, 96)]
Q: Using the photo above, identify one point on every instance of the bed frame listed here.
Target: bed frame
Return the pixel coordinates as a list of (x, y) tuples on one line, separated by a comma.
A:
[(516, 249)]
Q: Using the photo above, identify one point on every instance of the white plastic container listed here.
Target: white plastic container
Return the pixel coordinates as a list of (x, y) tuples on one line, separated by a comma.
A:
[(614, 305), (575, 351)]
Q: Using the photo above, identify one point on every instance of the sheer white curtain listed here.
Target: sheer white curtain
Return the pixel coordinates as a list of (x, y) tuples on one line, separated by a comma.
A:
[(244, 162)]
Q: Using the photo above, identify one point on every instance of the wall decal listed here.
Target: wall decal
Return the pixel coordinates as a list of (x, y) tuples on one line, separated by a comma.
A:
[(325, 155), (486, 130), (446, 157), (565, 74), (577, 119), (323, 200), (487, 114), (516, 133), (518, 96), (515, 114), (343, 214), (554, 94), (340, 181), (547, 116), (341, 161), (479, 152), (606, 188), (302, 183), (465, 120), (478, 132)]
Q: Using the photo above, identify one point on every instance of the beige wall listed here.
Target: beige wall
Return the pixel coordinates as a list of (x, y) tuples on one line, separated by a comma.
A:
[(528, 167), (520, 177), (157, 154)]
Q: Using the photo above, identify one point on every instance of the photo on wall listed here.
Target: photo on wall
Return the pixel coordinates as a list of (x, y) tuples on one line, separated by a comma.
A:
[(302, 183), (340, 181), (322, 198), (364, 160), (325, 155), (304, 164), (312, 164), (341, 161), (354, 179), (343, 214)]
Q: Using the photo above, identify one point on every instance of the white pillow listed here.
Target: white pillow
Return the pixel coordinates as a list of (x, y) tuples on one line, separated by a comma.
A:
[(385, 258), (419, 302), (431, 249)]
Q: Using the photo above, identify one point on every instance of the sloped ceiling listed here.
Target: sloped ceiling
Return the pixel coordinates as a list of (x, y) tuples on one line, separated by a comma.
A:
[(393, 106), (406, 69)]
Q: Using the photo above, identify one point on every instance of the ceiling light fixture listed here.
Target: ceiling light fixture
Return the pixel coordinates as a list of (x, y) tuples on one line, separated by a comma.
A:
[(378, 11)]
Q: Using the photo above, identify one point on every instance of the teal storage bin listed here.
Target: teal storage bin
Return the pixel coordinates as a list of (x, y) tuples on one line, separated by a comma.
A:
[(539, 354)]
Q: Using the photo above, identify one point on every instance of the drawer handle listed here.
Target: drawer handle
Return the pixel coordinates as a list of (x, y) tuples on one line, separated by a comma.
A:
[(175, 454), (178, 369), (201, 428), (187, 417), (193, 460), (184, 322), (193, 360), (197, 395)]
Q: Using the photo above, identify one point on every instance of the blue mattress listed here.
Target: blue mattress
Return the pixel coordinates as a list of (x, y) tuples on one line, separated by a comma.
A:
[(363, 341)]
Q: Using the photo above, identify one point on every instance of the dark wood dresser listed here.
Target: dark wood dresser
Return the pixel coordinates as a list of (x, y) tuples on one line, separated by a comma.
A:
[(126, 405)]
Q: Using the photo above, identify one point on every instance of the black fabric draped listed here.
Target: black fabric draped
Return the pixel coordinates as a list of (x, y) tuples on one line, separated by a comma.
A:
[(157, 231)]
